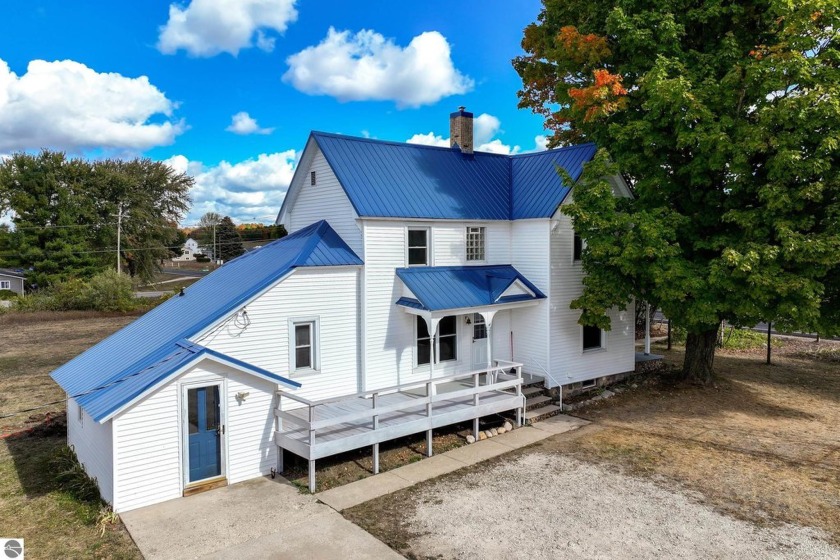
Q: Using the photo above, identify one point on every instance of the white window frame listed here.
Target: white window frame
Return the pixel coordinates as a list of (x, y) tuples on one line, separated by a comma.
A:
[(428, 232), (6, 285), (315, 345), (435, 345), (478, 234), (600, 348)]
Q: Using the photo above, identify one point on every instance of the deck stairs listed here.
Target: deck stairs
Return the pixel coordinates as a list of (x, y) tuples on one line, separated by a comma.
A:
[(539, 404)]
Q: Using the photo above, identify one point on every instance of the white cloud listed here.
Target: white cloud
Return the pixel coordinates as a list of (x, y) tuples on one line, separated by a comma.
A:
[(242, 123), (367, 66), (209, 27), (540, 143), (485, 127), (66, 105), (250, 190), (430, 139)]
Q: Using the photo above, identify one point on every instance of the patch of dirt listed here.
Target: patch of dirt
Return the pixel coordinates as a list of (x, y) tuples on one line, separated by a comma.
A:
[(758, 453)]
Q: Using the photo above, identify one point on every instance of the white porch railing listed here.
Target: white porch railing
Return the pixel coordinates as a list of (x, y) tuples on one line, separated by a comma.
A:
[(326, 427)]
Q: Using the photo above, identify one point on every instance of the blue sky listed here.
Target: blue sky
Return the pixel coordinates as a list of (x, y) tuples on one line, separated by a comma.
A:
[(228, 90)]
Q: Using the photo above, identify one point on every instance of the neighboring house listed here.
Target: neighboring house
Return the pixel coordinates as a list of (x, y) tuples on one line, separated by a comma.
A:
[(188, 251), (405, 265), (12, 280)]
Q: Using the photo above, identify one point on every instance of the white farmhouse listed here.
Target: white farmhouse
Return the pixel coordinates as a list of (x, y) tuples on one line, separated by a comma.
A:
[(188, 251), (419, 287)]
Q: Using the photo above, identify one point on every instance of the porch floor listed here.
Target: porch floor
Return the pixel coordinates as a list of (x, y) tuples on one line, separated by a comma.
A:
[(642, 357), (323, 428), (398, 423)]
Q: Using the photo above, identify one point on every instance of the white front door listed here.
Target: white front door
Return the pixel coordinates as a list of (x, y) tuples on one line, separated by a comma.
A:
[(480, 358)]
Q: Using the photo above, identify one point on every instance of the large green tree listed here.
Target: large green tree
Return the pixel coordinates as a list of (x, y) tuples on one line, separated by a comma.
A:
[(65, 212), (724, 117), (228, 240)]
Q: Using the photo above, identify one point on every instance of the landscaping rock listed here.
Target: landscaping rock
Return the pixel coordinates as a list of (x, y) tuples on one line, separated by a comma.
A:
[(508, 426), (470, 438), (488, 433), (502, 430), (494, 432), (482, 435)]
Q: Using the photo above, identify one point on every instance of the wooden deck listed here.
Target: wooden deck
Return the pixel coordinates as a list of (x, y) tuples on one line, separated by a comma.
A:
[(323, 428)]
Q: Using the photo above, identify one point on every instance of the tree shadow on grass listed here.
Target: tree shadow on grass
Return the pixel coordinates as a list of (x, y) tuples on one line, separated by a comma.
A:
[(32, 451)]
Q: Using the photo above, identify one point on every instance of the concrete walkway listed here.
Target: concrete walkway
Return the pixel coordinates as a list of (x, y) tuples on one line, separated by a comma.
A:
[(372, 487), (260, 518)]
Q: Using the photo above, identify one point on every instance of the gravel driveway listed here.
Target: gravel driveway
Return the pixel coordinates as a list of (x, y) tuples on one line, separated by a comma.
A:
[(549, 506)]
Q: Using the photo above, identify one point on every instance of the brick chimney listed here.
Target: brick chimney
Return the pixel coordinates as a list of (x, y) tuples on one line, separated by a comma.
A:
[(461, 130)]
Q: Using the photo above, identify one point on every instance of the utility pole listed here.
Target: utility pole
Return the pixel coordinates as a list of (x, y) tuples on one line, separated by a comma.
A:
[(119, 235), (215, 255)]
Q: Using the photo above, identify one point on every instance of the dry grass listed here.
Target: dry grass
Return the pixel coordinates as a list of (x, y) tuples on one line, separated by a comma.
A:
[(53, 523), (762, 444), (31, 349)]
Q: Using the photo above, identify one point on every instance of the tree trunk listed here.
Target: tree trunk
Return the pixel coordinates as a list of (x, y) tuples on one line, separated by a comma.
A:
[(698, 366)]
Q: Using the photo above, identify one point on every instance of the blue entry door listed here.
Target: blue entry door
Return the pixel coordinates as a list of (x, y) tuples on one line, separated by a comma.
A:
[(205, 432)]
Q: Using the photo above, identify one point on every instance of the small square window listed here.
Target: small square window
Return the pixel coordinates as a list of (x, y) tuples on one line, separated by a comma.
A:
[(475, 243), (587, 383), (312, 179), (592, 338), (578, 248), (418, 247)]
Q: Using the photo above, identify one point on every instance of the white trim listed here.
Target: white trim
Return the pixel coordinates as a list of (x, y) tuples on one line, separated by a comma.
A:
[(183, 388), (468, 310), (177, 373), (517, 283), (429, 245), (315, 345), (297, 182), (594, 349), (434, 336)]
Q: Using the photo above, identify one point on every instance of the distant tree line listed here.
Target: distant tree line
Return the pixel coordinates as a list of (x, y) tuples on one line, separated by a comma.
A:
[(66, 213)]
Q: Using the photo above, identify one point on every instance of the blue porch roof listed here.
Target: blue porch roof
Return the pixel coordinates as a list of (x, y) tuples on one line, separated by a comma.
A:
[(124, 365), (400, 180), (438, 288)]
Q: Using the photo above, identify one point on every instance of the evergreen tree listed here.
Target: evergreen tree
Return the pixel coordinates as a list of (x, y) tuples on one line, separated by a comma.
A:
[(228, 240)]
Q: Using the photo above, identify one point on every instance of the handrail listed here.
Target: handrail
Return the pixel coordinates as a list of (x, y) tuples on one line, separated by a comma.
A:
[(413, 384), (374, 412), (559, 385)]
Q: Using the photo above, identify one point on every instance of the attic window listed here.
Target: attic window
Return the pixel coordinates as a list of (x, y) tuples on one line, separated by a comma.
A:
[(312, 179), (475, 243), (578, 248)]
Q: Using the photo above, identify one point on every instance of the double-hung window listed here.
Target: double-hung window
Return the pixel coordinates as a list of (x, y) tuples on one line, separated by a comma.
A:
[(475, 243), (304, 340), (418, 247), (447, 341), (5, 284)]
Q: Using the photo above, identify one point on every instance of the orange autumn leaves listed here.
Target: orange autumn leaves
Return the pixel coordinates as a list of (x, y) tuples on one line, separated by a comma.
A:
[(606, 94)]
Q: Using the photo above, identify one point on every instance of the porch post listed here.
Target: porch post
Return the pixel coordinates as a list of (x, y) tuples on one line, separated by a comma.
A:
[(312, 476), (647, 328), (488, 322)]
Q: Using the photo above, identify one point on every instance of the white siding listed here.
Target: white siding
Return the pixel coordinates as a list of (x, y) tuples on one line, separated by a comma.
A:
[(569, 363), (148, 451), (93, 444), (529, 251), (326, 200), (389, 332), (329, 295)]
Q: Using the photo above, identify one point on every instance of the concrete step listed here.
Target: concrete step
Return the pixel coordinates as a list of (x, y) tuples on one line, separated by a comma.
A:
[(541, 413), (532, 391), (537, 401)]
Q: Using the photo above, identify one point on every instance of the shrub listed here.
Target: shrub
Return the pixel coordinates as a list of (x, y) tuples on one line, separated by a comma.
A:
[(70, 476), (201, 258), (8, 295), (107, 291)]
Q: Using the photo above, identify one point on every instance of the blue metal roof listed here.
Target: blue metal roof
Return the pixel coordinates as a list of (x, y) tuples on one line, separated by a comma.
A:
[(108, 374), (392, 179), (438, 288), (536, 188)]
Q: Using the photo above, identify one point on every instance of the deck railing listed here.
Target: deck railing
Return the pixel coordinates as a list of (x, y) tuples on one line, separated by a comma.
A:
[(483, 381)]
